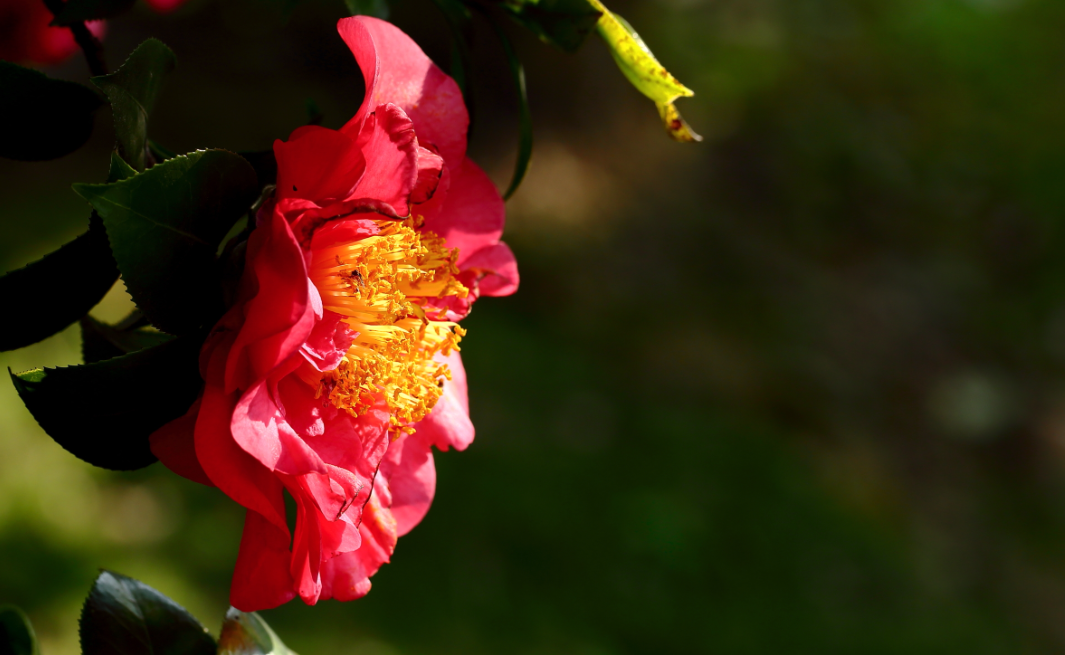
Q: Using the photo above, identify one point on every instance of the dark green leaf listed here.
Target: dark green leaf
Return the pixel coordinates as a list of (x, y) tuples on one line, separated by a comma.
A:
[(132, 90), (376, 8), (16, 633), (159, 152), (100, 341), (75, 11), (123, 616), (119, 169), (49, 294), (247, 634), (165, 226), (43, 118), (563, 23), (104, 412), (525, 134)]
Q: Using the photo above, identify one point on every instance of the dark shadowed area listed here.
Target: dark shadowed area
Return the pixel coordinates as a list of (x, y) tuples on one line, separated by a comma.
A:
[(797, 389)]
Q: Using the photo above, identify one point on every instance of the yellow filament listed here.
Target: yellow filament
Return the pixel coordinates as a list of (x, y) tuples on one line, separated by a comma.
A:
[(380, 285)]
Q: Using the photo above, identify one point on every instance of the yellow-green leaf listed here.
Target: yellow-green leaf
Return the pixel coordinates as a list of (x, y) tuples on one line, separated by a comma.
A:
[(639, 65)]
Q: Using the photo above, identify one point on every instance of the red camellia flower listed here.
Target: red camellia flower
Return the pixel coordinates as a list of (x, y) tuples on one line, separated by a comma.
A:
[(337, 369), (27, 37)]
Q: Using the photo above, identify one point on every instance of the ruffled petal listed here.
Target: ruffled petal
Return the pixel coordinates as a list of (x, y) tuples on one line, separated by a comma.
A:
[(430, 175), (396, 70), (318, 164), (280, 316), (449, 423), (495, 270), (387, 141), (261, 578), (472, 215), (347, 576), (239, 475), (259, 427), (410, 473), (328, 342)]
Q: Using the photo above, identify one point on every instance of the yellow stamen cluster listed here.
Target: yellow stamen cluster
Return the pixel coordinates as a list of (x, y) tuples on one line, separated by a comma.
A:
[(381, 284)]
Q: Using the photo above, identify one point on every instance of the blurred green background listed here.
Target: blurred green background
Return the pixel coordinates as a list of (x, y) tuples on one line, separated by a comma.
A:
[(797, 389)]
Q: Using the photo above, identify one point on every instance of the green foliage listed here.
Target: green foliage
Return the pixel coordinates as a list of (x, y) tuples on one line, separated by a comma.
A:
[(103, 412), (49, 294), (376, 8), (460, 23), (247, 634), (165, 226), (100, 341), (133, 90), (123, 616), (76, 11), (45, 118), (562, 23), (16, 633)]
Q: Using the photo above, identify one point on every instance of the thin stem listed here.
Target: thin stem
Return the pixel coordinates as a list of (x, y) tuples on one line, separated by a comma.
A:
[(89, 44)]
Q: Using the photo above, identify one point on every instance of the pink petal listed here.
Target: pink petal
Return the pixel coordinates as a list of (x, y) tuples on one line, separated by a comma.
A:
[(328, 342), (396, 70), (259, 427), (317, 163), (411, 475), (449, 423), (239, 475), (387, 141), (430, 174), (496, 270), (347, 576), (472, 215), (175, 446), (261, 579), (280, 316)]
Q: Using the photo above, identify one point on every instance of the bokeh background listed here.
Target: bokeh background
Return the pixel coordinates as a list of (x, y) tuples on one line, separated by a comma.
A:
[(797, 389)]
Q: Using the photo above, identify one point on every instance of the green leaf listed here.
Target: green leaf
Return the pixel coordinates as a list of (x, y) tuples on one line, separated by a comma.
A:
[(123, 616), (133, 90), (525, 138), (562, 23), (76, 11), (100, 341), (119, 170), (44, 118), (247, 634), (104, 412), (51, 293), (650, 78), (165, 226), (375, 8), (16, 633)]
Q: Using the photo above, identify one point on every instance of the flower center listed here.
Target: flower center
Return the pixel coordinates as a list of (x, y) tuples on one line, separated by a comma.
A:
[(383, 285)]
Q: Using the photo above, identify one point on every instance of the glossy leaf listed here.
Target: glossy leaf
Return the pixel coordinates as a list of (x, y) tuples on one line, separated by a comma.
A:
[(104, 412), (100, 341), (44, 118), (563, 23), (245, 633), (49, 294), (16, 633), (123, 616), (650, 78), (165, 226), (133, 90), (76, 11), (375, 8)]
